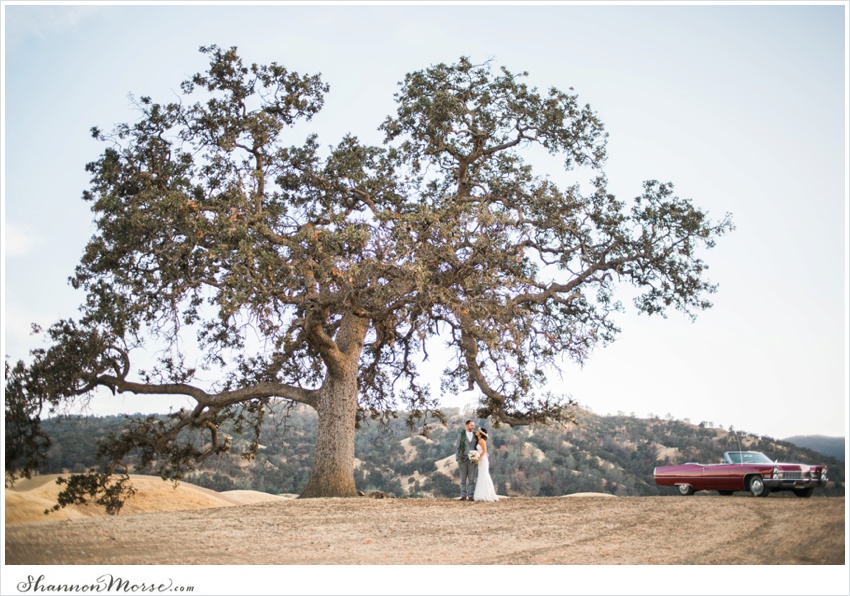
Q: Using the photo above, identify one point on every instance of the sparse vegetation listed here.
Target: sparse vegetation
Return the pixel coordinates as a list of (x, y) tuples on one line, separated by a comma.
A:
[(611, 454), (833, 446)]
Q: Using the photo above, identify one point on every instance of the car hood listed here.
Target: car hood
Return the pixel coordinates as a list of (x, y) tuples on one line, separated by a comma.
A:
[(790, 466)]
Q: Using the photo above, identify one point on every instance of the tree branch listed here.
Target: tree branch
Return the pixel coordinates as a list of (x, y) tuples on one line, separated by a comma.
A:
[(204, 399)]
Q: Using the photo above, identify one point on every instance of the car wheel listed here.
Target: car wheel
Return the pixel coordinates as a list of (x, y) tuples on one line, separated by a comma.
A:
[(726, 493), (757, 487), (686, 490), (804, 493)]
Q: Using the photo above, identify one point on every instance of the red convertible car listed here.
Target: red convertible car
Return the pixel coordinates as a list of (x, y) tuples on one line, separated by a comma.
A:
[(743, 471)]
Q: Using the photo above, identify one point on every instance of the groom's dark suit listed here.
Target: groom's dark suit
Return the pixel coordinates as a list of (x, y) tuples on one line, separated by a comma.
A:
[(468, 469)]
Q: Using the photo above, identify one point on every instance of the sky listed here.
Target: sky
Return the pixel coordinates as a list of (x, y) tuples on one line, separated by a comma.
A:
[(743, 108)]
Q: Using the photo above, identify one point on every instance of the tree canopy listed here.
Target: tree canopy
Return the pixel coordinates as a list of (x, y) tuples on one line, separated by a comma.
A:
[(318, 275)]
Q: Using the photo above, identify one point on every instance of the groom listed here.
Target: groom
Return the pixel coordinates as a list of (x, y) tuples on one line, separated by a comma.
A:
[(467, 441)]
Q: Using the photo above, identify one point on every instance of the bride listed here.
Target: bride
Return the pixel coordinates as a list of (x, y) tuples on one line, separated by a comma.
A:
[(484, 490)]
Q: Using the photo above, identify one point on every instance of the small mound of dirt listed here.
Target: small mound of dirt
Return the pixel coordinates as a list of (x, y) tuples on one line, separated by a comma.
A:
[(28, 499)]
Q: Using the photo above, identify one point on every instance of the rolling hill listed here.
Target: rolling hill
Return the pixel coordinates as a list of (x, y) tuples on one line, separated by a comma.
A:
[(601, 454), (831, 446)]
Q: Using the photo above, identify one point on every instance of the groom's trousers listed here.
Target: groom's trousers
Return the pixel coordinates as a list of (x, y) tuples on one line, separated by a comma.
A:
[(468, 472)]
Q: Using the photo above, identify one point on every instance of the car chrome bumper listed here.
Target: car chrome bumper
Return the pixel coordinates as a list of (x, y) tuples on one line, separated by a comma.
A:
[(792, 483)]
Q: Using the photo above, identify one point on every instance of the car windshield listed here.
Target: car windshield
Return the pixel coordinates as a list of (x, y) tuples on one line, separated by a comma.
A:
[(746, 457)]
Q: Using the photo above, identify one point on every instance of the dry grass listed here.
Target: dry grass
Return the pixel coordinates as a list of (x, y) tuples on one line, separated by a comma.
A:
[(26, 502), (188, 525)]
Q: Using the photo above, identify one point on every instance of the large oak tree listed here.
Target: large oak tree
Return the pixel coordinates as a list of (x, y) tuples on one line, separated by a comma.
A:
[(318, 276)]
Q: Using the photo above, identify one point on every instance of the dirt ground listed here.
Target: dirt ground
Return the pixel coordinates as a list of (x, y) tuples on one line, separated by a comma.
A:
[(585, 530)]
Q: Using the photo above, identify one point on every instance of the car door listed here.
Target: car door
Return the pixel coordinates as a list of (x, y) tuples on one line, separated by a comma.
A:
[(722, 477)]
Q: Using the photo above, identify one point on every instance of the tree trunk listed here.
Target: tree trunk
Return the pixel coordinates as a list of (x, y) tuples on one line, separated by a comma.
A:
[(333, 467)]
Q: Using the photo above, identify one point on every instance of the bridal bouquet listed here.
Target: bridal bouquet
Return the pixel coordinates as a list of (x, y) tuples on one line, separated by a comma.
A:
[(474, 456)]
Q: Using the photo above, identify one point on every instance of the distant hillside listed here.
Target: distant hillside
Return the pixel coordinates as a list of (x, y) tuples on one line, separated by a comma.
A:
[(832, 446), (610, 454)]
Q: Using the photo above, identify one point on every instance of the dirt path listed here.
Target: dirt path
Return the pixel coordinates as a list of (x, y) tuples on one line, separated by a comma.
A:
[(541, 531)]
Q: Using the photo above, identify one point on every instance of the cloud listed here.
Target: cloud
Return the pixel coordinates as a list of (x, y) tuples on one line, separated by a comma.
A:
[(25, 23), (20, 240)]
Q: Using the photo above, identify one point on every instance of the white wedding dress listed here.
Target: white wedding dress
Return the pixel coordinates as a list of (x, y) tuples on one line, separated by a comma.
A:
[(484, 490)]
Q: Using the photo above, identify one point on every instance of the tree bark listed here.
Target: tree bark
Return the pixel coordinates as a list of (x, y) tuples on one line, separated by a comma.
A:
[(336, 404), (333, 467)]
